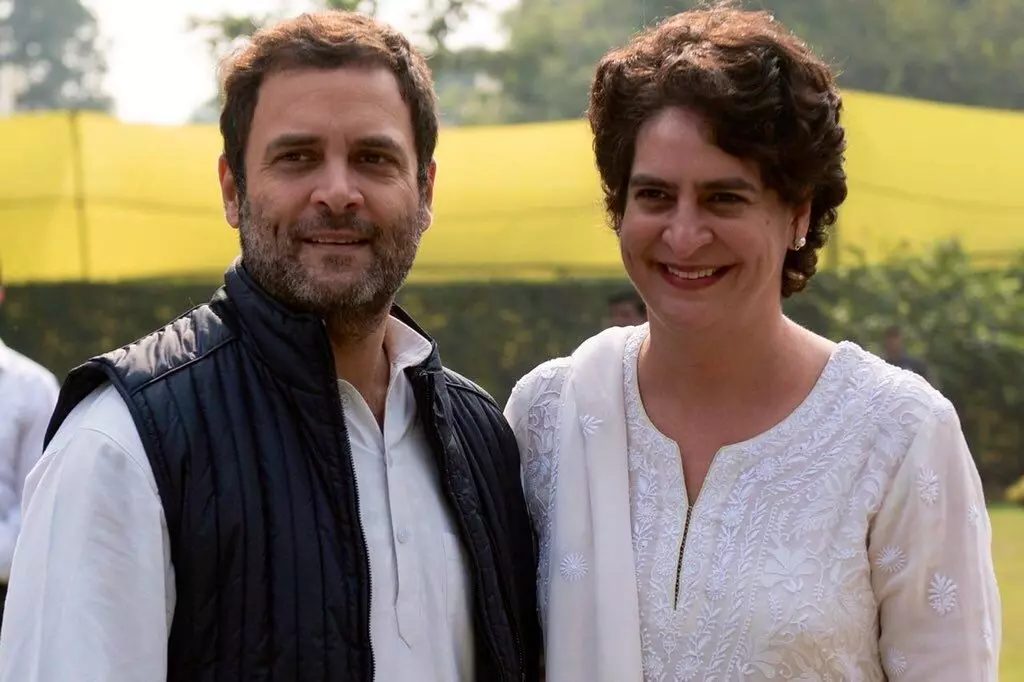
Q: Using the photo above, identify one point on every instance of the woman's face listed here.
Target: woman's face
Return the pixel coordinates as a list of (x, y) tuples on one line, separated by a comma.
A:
[(702, 238)]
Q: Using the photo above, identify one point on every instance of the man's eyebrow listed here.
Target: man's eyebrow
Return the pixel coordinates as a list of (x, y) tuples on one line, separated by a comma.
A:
[(646, 180), (289, 140), (724, 184), (284, 141), (384, 142)]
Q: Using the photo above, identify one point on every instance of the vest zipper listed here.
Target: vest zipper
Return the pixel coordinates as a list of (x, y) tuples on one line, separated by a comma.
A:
[(513, 621), (346, 448)]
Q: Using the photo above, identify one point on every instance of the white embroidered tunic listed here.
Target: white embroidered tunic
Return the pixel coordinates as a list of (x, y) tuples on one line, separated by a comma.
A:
[(848, 542)]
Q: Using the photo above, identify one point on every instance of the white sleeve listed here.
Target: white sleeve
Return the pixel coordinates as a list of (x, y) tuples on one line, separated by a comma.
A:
[(44, 399), (91, 591), (932, 572), (40, 397)]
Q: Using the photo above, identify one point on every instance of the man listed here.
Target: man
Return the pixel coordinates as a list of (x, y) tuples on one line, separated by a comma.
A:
[(626, 309), (28, 393), (896, 355), (285, 483)]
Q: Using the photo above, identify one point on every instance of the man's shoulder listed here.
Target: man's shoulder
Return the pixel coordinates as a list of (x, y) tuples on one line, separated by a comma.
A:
[(29, 374), (149, 361), (470, 403), (909, 362), (469, 388), (917, 365), (103, 411), (195, 334), (24, 366)]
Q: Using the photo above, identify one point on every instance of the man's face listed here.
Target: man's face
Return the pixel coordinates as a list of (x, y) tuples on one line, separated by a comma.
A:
[(893, 345), (625, 314), (331, 214)]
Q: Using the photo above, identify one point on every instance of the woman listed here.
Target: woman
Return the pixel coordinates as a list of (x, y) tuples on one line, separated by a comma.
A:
[(720, 494)]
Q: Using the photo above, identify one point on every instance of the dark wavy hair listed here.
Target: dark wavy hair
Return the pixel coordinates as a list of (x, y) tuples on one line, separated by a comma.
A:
[(766, 98), (328, 39)]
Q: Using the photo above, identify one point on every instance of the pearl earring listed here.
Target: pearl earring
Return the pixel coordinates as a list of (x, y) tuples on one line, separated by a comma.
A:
[(799, 243)]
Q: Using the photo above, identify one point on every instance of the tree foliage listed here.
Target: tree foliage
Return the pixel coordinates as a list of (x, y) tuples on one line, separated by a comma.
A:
[(966, 51), (222, 32), (51, 48)]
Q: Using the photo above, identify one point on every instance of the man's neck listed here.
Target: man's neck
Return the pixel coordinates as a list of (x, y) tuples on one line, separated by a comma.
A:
[(363, 362)]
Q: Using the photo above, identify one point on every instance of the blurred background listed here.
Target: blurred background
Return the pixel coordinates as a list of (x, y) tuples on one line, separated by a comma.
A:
[(110, 217)]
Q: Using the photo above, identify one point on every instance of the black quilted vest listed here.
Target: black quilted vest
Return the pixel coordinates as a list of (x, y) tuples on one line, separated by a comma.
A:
[(237, 405)]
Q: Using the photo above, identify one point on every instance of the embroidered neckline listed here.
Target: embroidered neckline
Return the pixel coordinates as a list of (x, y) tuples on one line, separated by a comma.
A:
[(828, 385)]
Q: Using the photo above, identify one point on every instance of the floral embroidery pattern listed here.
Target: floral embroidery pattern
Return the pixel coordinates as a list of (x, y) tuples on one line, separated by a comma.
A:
[(891, 559), (769, 468), (928, 486), (973, 515), (542, 422), (573, 567), (589, 424), (895, 662), (942, 594)]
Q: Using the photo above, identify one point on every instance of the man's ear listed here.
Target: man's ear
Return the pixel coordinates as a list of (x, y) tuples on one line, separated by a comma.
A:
[(228, 191), (428, 193), (429, 189)]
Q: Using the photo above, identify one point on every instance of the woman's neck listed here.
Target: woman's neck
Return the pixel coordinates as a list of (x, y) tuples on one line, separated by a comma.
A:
[(731, 365)]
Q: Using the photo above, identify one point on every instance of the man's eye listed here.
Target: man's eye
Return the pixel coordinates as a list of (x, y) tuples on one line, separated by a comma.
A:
[(295, 157), (654, 194), (374, 158)]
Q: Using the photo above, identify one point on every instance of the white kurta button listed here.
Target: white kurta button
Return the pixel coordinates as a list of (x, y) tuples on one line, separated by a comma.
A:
[(402, 536)]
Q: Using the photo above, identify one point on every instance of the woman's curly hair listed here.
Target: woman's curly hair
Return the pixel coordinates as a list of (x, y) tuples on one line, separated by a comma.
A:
[(764, 94)]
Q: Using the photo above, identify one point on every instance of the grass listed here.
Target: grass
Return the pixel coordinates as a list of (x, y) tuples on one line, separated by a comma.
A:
[(1008, 547)]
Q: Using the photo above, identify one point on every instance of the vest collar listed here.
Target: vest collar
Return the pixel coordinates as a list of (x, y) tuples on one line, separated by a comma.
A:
[(294, 344)]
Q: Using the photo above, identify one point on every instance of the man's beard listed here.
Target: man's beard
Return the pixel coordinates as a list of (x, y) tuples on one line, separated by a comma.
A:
[(352, 309)]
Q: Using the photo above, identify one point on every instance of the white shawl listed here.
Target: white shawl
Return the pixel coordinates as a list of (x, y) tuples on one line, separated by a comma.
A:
[(593, 621)]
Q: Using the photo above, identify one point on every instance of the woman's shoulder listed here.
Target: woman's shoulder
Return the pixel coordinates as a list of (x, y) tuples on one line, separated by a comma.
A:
[(547, 379), (886, 393)]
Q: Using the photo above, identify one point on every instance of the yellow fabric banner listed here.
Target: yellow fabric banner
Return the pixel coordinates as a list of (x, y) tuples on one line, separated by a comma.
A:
[(89, 197)]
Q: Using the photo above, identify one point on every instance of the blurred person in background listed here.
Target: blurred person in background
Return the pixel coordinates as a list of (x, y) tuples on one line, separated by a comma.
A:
[(722, 494), (28, 394), (896, 354), (626, 309), (286, 483)]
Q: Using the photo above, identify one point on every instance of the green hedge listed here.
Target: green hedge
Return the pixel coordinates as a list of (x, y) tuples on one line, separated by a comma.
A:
[(966, 323)]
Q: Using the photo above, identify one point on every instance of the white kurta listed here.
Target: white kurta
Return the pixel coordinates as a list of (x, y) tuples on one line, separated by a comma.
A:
[(28, 393), (848, 542)]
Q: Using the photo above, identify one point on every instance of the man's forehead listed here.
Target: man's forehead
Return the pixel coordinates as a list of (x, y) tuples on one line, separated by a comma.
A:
[(311, 94), (322, 104)]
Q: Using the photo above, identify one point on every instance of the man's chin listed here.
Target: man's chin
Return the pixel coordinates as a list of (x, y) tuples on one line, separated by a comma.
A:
[(324, 261)]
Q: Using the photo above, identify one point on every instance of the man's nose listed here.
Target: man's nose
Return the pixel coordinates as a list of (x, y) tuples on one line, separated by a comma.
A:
[(338, 188)]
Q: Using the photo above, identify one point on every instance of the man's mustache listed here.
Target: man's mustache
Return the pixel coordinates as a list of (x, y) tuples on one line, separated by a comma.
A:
[(349, 224)]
